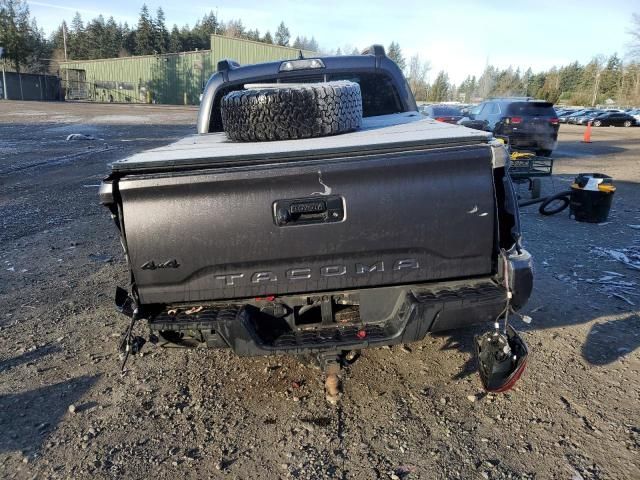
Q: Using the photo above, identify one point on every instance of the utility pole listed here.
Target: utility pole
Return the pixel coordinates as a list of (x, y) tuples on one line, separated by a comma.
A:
[(595, 89), (4, 76), (66, 70), (64, 40)]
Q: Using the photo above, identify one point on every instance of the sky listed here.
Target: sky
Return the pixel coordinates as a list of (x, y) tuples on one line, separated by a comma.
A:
[(460, 37)]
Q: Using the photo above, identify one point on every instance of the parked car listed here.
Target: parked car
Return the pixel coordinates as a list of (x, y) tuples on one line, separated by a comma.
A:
[(529, 124), (573, 119), (614, 119), (635, 113), (564, 117), (586, 118), (564, 111), (443, 113), (320, 244)]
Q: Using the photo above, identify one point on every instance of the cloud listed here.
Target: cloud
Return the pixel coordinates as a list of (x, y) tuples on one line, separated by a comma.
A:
[(63, 7)]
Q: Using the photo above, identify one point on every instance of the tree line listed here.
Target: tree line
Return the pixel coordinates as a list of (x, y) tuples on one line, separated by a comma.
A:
[(27, 48), (603, 79), (107, 39)]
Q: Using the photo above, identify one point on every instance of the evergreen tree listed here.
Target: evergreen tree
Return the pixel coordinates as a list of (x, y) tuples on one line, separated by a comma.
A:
[(507, 83), (144, 36), (313, 45), (611, 78), (128, 39), (160, 33), (189, 39), (395, 53), (57, 42), (112, 39), (282, 35), (297, 43), (253, 35), (468, 88), (15, 34), (76, 41), (39, 49), (94, 40), (304, 43), (439, 91), (570, 78), (487, 81), (267, 38), (175, 41), (550, 90), (201, 33)]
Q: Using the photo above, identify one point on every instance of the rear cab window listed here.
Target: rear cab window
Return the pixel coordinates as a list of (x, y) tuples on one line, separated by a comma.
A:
[(379, 93), (531, 109)]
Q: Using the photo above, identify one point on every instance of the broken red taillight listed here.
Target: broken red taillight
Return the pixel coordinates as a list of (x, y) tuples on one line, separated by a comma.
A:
[(502, 359)]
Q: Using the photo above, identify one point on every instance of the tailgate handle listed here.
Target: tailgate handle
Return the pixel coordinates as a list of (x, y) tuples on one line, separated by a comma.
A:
[(308, 208), (304, 211)]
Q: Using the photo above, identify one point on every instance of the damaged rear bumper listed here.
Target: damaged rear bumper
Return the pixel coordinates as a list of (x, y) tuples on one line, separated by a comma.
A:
[(382, 316)]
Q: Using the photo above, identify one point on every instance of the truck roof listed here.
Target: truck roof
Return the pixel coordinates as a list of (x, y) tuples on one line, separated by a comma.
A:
[(407, 130)]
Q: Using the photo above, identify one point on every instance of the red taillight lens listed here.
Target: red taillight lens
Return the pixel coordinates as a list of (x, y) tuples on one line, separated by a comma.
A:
[(516, 120), (554, 121), (515, 376), (441, 119), (268, 298)]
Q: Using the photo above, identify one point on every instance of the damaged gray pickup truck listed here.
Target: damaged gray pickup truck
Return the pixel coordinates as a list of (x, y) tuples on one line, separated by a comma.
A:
[(272, 231)]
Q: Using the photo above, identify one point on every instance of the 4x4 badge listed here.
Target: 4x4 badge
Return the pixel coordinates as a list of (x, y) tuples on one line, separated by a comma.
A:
[(151, 265)]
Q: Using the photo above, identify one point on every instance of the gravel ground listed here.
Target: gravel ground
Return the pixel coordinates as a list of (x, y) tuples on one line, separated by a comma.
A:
[(407, 412)]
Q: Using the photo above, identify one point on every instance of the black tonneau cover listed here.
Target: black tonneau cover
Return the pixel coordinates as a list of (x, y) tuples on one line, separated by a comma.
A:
[(383, 134)]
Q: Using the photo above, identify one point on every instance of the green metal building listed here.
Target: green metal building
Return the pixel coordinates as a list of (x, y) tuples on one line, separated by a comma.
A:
[(175, 78)]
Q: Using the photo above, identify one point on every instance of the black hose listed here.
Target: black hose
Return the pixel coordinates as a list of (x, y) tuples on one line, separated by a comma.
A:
[(546, 201)]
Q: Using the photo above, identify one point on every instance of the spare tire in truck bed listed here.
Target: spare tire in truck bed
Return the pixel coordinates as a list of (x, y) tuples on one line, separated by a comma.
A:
[(287, 112)]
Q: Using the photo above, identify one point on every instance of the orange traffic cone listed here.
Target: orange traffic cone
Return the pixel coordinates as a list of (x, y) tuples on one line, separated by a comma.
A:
[(587, 133)]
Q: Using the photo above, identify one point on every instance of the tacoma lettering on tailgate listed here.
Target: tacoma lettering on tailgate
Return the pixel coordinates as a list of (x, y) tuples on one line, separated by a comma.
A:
[(305, 273)]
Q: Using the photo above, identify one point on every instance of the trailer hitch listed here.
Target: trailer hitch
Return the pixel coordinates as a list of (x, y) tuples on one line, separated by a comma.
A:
[(331, 363)]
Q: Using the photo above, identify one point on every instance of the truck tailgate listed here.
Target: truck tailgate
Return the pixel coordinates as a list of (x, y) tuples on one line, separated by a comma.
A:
[(310, 225)]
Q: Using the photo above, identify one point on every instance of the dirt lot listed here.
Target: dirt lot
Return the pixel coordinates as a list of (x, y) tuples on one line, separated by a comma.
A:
[(412, 412)]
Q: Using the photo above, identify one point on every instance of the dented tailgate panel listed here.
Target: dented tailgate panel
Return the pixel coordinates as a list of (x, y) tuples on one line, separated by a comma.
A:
[(309, 226)]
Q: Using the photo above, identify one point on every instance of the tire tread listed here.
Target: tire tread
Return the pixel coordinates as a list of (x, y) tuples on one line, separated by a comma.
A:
[(292, 112)]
